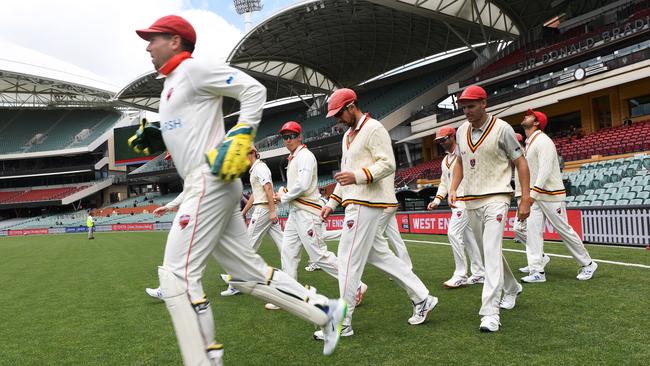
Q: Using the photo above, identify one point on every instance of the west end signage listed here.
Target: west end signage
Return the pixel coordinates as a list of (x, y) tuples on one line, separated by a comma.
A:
[(626, 30)]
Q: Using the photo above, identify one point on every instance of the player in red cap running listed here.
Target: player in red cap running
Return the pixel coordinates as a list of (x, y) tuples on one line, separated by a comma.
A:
[(210, 161), (548, 194), (365, 187), (460, 234), (486, 147)]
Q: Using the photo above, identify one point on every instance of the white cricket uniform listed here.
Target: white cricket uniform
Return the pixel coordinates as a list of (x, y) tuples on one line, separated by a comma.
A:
[(461, 236), (367, 152), (486, 154), (209, 220), (520, 227), (395, 239), (304, 226), (548, 194), (261, 223)]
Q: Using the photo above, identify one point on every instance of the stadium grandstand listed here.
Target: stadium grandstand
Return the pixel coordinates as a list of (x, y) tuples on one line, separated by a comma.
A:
[(583, 63)]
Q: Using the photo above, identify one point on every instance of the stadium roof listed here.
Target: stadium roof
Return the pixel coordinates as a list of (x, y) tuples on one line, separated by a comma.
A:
[(31, 79)]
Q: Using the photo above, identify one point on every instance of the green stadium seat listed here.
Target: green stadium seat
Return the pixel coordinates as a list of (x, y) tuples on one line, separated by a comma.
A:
[(646, 202), (636, 202), (603, 196), (591, 197), (643, 194), (609, 203), (629, 195), (616, 196), (596, 203), (636, 189), (623, 202), (588, 192), (624, 189), (570, 198), (573, 204), (646, 162), (580, 198), (599, 191), (611, 190)]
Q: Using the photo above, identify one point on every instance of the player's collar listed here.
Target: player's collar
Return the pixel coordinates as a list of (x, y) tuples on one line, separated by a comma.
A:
[(295, 152), (253, 166), (173, 62), (361, 121)]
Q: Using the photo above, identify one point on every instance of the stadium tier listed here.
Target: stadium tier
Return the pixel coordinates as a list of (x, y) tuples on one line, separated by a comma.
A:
[(35, 195), (428, 170), (32, 130), (606, 141)]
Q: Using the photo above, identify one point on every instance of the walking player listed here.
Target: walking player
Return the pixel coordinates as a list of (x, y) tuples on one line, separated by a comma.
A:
[(365, 187), (209, 220), (548, 194), (461, 236), (486, 147)]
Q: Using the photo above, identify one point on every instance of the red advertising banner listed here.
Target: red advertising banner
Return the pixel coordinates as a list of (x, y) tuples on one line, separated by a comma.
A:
[(132, 227), (27, 232)]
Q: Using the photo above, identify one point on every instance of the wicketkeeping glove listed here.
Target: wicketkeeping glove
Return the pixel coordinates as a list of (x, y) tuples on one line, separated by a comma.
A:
[(147, 139), (229, 160)]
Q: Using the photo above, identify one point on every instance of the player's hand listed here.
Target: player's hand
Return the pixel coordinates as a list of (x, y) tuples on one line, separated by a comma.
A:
[(345, 178), (274, 217), (432, 205), (325, 212), (161, 211), (147, 139), (452, 197), (523, 211), (229, 160)]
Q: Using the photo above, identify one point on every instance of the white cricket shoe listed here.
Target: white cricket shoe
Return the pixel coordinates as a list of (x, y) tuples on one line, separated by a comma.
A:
[(455, 282), (489, 323), (154, 292), (474, 279), (332, 330), (421, 310), (545, 260), (361, 291), (311, 267), (215, 354), (508, 301), (230, 291), (270, 306), (587, 271), (346, 331), (534, 277)]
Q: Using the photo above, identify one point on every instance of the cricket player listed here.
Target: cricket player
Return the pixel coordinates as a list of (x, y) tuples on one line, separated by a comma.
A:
[(486, 147), (90, 223), (461, 236), (520, 227), (265, 218), (548, 196), (365, 187), (210, 160)]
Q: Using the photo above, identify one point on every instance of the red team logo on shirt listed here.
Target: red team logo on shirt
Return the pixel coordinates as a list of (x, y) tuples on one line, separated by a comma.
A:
[(310, 232), (350, 224), (252, 222), (459, 213), (559, 210), (183, 221), (472, 162), (169, 93), (499, 217)]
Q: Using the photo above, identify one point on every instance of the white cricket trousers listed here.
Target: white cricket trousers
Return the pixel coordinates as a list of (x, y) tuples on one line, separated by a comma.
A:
[(395, 238), (304, 229), (363, 240), (487, 223), (209, 222), (521, 228), (556, 214), (260, 225), (461, 238)]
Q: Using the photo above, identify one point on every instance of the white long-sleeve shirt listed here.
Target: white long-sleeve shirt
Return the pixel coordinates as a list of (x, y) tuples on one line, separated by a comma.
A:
[(448, 164), (302, 181), (191, 113), (545, 177), (175, 202), (260, 175)]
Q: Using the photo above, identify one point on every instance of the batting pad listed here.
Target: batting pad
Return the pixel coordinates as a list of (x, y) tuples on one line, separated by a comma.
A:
[(292, 304), (184, 318)]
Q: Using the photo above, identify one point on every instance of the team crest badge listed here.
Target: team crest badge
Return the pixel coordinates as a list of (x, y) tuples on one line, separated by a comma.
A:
[(559, 211), (183, 221), (472, 162), (350, 224), (499, 217), (252, 222), (459, 213), (310, 232), (169, 93)]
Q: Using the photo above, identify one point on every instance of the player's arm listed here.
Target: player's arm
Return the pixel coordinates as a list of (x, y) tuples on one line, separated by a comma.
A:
[(305, 164), (383, 165), (441, 193), (546, 159), (268, 190), (169, 206), (456, 178), (334, 201), (248, 205)]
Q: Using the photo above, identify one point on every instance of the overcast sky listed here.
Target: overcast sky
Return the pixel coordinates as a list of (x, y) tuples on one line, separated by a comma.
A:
[(99, 36)]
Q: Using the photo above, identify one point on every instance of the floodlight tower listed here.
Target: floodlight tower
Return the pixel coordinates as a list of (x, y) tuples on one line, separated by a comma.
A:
[(247, 7)]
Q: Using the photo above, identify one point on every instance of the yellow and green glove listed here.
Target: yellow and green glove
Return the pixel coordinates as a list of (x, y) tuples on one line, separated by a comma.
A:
[(147, 139), (229, 160)]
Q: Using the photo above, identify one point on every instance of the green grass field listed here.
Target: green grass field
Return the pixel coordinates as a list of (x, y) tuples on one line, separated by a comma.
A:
[(69, 301)]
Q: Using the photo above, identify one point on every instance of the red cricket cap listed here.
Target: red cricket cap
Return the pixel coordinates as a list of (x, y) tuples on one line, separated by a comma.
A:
[(473, 92), (445, 131), (291, 126), (340, 99), (170, 24), (520, 138), (540, 117)]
